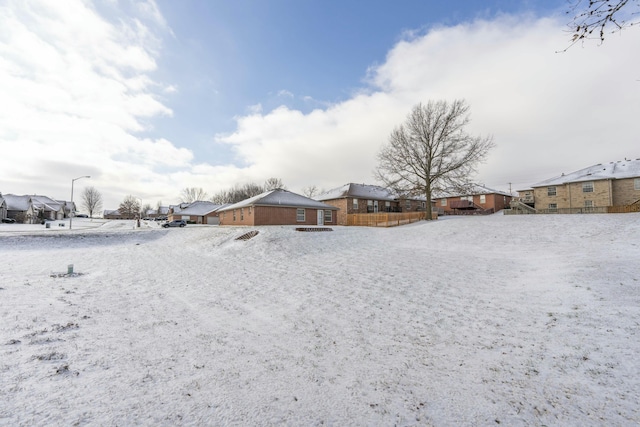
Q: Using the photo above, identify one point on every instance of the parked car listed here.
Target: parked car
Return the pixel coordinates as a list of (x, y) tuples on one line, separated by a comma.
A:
[(175, 223), (8, 220), (82, 216)]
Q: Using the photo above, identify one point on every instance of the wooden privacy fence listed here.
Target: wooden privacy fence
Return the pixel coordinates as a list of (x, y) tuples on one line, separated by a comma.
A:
[(635, 207), (386, 219)]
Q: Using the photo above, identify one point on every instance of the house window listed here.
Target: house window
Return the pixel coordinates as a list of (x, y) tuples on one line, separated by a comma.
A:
[(636, 184), (327, 215), (249, 210), (387, 203), (551, 191), (469, 198), (483, 198), (300, 215), (588, 203), (241, 214), (553, 206), (369, 202), (587, 187), (355, 204), (407, 204), (443, 202), (234, 214), (424, 205)]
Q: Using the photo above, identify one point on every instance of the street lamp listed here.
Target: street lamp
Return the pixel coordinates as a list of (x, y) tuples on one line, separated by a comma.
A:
[(71, 212)]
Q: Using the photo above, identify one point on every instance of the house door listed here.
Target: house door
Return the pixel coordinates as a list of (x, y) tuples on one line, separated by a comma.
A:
[(375, 206), (320, 217)]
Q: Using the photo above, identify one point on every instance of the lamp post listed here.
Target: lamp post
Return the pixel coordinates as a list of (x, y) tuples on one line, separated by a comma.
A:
[(71, 212)]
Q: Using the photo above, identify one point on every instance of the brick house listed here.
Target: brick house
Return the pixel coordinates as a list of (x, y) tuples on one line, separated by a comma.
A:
[(278, 207), (112, 214), (475, 199), (3, 208), (591, 189), (198, 212), (362, 198)]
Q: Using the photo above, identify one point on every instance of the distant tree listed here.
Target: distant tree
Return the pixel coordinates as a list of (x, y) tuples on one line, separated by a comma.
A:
[(310, 191), (602, 17), (130, 207), (273, 184), (192, 194), (237, 193), (146, 208), (91, 200), (432, 151)]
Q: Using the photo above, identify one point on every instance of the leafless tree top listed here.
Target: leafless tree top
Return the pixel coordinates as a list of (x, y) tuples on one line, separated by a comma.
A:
[(596, 19)]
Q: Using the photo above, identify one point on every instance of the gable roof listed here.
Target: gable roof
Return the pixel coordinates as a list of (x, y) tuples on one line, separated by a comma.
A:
[(358, 191), (469, 190), (200, 208), (17, 203), (280, 198), (46, 203), (612, 170)]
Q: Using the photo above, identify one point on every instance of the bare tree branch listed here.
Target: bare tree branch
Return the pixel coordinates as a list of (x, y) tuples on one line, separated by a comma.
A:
[(130, 207), (192, 194), (91, 200), (431, 151), (596, 19)]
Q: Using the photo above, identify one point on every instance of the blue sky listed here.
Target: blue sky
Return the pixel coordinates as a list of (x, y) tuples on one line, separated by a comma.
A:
[(149, 97)]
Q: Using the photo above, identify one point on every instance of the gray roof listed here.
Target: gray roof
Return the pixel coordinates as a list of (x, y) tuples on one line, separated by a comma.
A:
[(613, 170), (17, 203), (200, 208), (469, 190), (279, 197), (358, 191), (46, 203)]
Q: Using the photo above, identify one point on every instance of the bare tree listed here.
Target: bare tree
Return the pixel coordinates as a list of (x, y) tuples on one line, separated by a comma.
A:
[(432, 151), (273, 184), (191, 194), (310, 191), (146, 208), (91, 200), (603, 17), (237, 193), (130, 207)]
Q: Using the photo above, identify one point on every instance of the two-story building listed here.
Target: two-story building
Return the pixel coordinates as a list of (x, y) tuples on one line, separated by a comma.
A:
[(591, 189)]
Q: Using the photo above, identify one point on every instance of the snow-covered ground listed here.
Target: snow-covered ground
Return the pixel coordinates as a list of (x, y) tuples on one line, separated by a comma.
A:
[(512, 320)]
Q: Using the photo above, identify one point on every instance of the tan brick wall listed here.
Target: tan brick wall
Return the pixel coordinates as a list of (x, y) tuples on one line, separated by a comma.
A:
[(341, 215), (572, 195), (543, 200), (624, 192)]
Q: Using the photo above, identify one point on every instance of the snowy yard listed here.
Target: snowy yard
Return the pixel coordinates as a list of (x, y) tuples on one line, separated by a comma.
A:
[(512, 320)]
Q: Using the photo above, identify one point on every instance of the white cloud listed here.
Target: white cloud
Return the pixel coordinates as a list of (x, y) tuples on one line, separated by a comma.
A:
[(549, 112), (75, 87), (285, 93)]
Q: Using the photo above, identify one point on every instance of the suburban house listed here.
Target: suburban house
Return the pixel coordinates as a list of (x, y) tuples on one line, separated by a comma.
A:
[(47, 208), (3, 208), (474, 199), (198, 212), (611, 187), (362, 198), (20, 208), (278, 207), (112, 214)]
